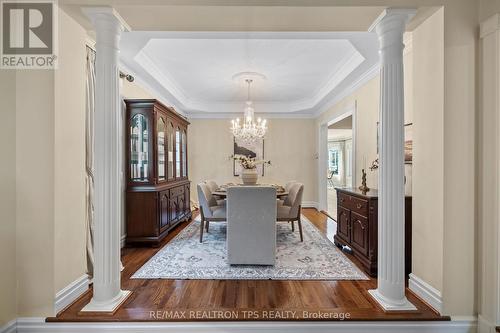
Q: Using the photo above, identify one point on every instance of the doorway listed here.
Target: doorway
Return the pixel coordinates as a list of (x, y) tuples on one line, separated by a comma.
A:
[(337, 158)]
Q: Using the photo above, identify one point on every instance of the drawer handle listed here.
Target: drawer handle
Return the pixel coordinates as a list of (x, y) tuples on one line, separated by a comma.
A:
[(342, 199), (361, 224), (358, 206)]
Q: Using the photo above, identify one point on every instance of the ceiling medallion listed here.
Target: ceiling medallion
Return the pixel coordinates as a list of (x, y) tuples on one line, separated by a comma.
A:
[(249, 130)]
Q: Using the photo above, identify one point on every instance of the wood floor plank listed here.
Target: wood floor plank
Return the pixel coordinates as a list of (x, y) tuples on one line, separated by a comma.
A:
[(215, 299)]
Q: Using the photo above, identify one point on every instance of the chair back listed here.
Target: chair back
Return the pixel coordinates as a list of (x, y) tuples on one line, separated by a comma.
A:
[(288, 185), (205, 199), (292, 193), (297, 190), (251, 225), (212, 185)]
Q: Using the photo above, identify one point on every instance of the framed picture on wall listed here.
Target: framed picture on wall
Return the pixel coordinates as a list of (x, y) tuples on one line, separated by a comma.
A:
[(255, 150), (408, 142)]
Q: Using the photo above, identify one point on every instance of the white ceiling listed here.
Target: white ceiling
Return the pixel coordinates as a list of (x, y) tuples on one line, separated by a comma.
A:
[(305, 72)]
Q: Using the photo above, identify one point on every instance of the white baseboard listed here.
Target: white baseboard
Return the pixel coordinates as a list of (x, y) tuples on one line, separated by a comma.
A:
[(426, 292), (71, 292), (10, 327), (310, 204), (485, 326), (123, 240), (38, 325)]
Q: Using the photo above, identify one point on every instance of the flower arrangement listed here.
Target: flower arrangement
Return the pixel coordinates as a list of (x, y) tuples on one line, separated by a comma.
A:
[(249, 163)]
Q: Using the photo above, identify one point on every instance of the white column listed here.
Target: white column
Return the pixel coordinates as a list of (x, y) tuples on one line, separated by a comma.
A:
[(390, 292), (107, 294)]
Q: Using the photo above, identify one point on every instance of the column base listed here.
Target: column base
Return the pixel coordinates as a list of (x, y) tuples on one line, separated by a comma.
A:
[(109, 306), (390, 305)]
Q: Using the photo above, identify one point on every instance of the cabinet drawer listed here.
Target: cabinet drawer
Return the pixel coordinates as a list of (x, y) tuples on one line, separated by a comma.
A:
[(343, 199), (359, 206)]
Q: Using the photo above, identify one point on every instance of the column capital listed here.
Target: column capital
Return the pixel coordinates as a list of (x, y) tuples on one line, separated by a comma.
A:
[(401, 15), (390, 27), (105, 14)]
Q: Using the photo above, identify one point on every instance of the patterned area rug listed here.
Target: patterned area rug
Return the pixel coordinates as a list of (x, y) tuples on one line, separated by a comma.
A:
[(184, 257)]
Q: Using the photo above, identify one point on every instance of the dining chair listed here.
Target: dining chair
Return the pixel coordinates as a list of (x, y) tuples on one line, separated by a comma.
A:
[(209, 210), (330, 179), (287, 187), (213, 186), (251, 225), (290, 210)]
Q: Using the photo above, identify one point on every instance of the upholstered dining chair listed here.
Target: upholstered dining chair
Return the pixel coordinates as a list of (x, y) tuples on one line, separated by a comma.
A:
[(290, 210), (251, 225), (209, 210), (287, 187), (213, 186)]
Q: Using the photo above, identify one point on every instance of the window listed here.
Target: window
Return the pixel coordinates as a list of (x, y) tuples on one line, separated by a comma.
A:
[(333, 160)]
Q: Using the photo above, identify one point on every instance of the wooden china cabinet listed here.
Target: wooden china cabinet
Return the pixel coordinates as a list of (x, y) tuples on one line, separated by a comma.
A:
[(157, 195)]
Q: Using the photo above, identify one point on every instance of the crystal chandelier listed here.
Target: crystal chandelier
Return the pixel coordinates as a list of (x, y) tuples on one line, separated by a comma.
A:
[(249, 131)]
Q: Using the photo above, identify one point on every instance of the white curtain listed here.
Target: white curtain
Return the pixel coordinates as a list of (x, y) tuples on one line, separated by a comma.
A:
[(89, 158)]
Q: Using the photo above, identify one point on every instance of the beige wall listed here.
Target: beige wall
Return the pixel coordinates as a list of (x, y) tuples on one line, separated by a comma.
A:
[(69, 196), (428, 145), (459, 266), (8, 279), (366, 98), (35, 192), (289, 144), (487, 8), (424, 70), (133, 90)]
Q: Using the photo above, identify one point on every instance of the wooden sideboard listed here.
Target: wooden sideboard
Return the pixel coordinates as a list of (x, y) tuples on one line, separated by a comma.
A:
[(158, 188), (357, 220)]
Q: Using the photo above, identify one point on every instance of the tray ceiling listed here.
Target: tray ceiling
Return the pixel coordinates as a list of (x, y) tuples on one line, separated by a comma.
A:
[(194, 71)]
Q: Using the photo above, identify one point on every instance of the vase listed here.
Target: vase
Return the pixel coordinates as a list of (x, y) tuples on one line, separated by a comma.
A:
[(249, 176)]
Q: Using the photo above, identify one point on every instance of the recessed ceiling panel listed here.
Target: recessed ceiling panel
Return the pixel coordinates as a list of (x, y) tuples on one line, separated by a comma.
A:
[(296, 70)]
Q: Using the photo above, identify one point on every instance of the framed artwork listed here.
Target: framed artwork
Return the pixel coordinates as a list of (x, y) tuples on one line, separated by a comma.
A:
[(255, 149), (408, 142)]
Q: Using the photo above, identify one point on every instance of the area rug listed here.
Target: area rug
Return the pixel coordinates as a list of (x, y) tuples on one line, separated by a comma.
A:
[(184, 257)]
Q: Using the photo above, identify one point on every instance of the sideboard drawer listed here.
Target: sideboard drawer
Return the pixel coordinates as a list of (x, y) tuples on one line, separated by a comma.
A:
[(359, 206), (343, 200)]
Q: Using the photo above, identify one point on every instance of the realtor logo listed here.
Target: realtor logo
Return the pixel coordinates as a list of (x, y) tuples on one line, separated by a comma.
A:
[(28, 34)]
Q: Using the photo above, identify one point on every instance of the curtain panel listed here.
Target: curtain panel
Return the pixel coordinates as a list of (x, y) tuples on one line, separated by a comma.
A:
[(89, 157)]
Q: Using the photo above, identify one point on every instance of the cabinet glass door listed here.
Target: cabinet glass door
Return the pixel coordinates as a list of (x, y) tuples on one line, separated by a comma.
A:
[(139, 159), (177, 153), (170, 154), (184, 154), (161, 131)]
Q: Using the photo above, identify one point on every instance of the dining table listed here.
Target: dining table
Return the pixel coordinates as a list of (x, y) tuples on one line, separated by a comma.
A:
[(222, 191)]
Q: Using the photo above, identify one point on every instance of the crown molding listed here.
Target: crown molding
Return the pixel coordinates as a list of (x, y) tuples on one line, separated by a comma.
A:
[(368, 75), (346, 67), (168, 91), (232, 115)]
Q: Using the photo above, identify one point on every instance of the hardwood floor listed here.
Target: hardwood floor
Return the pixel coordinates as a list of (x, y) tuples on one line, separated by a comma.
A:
[(200, 300)]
